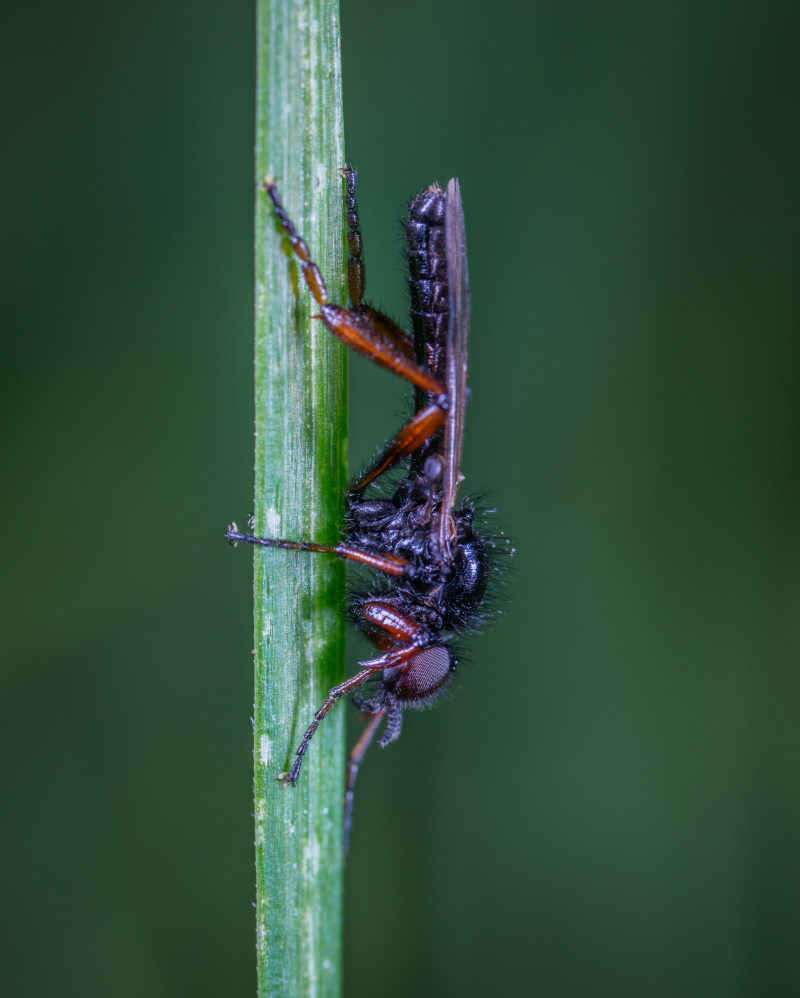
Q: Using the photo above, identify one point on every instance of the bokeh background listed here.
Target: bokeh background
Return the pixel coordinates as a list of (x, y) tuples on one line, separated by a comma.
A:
[(609, 806)]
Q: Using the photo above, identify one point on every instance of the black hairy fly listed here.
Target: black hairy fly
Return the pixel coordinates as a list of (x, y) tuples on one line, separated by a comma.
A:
[(432, 563)]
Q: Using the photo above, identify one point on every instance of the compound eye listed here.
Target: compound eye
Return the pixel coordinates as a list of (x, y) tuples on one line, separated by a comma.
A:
[(425, 674)]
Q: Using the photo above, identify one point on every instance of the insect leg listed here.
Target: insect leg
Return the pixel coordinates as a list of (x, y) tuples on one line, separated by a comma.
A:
[(311, 271), (394, 724), (389, 563), (356, 758), (356, 274), (414, 434), (335, 694), (366, 333), (401, 626), (363, 329)]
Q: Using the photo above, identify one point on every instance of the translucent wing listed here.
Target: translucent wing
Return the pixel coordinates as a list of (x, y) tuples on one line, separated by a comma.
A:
[(456, 370)]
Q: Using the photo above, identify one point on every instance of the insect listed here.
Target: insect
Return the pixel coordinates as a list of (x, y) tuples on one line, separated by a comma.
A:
[(431, 565)]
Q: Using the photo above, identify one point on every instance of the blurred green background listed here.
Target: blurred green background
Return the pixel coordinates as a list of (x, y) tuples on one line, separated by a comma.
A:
[(609, 805)]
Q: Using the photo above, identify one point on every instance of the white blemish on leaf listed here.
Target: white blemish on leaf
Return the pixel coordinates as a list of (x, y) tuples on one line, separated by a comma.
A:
[(312, 856), (311, 950), (266, 750), (261, 824), (273, 521)]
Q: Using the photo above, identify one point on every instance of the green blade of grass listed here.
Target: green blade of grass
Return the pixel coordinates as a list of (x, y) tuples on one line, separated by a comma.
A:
[(300, 478)]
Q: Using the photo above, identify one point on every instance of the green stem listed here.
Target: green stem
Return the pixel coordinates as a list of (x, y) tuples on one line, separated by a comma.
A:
[(301, 461)]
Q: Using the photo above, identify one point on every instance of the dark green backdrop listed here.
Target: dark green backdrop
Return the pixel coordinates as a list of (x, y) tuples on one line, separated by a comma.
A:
[(609, 806)]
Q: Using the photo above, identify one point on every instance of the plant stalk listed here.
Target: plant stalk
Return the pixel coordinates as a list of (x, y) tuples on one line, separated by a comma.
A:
[(300, 480)]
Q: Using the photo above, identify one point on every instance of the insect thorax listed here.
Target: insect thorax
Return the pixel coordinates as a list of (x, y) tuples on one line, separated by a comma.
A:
[(446, 593)]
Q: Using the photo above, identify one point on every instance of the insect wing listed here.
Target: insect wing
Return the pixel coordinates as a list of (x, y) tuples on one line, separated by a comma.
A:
[(456, 371)]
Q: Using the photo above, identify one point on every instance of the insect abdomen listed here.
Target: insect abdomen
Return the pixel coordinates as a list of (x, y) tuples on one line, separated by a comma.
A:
[(427, 281)]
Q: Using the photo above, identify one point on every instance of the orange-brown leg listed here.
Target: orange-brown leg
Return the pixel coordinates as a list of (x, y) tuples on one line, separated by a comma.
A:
[(357, 275), (401, 626), (366, 331), (395, 656), (389, 563), (407, 635), (420, 428), (425, 423), (335, 694)]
